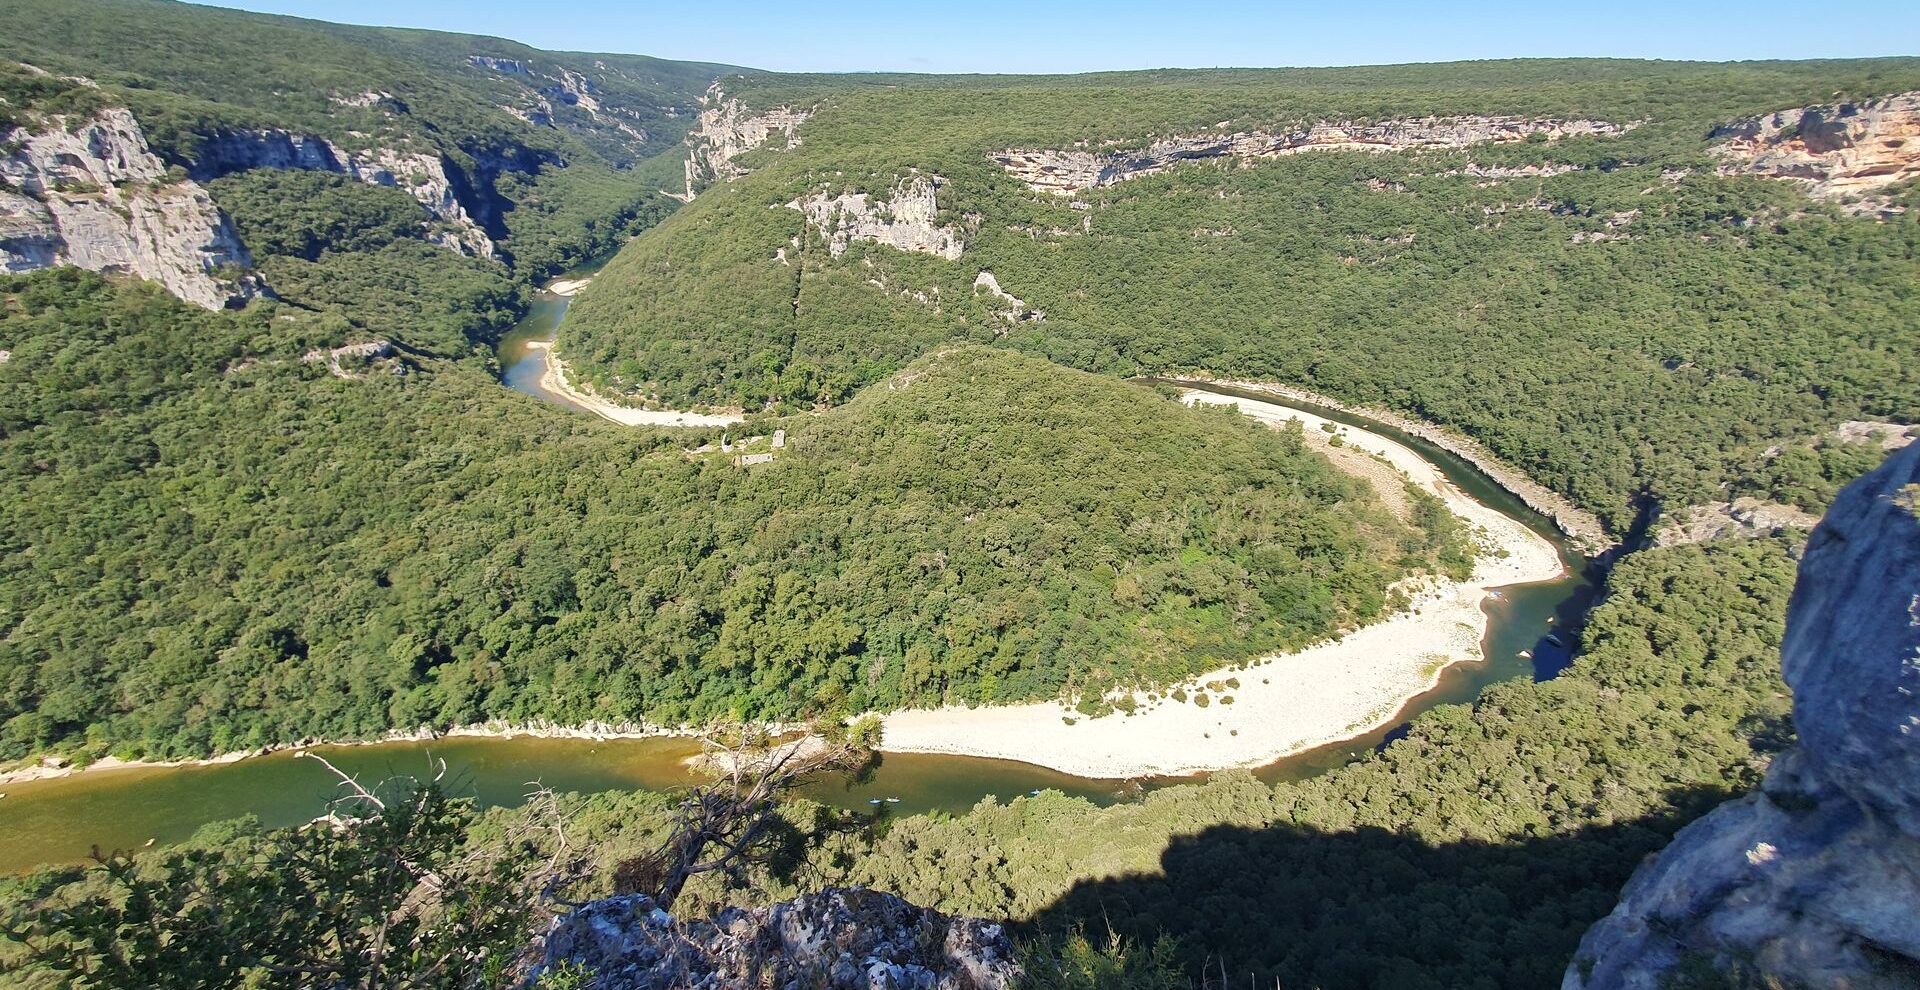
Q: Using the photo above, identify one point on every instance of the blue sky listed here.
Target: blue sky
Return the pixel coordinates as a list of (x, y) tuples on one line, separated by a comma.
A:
[(1073, 36)]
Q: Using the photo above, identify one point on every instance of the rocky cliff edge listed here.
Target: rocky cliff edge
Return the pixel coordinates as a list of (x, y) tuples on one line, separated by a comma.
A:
[(90, 192), (1814, 881), (843, 939)]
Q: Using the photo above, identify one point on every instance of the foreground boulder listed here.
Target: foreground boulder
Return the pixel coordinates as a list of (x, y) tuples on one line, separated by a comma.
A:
[(837, 938), (1815, 880)]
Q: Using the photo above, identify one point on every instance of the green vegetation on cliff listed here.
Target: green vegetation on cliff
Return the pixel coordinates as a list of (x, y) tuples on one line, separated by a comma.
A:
[(215, 544), (190, 70), (557, 157), (1608, 313)]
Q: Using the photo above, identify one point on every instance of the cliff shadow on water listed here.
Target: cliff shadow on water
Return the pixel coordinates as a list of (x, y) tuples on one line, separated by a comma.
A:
[(1295, 905)]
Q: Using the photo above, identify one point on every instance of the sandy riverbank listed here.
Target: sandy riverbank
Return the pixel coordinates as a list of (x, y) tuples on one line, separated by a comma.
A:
[(554, 380), (1282, 705), (1582, 528), (568, 286)]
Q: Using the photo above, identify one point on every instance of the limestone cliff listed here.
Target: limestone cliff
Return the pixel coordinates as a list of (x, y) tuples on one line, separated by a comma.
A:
[(839, 939), (1814, 881), (726, 129), (550, 86), (427, 177), (92, 193), (1064, 172), (906, 220), (1843, 151)]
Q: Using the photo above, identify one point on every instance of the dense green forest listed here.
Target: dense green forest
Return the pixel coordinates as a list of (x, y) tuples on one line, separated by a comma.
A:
[(1622, 320), (1470, 854), (1474, 852), (215, 544)]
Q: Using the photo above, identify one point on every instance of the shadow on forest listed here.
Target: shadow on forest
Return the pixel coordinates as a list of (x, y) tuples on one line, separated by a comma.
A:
[(1299, 907)]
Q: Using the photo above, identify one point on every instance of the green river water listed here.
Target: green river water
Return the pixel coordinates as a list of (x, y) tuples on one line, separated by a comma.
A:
[(61, 820)]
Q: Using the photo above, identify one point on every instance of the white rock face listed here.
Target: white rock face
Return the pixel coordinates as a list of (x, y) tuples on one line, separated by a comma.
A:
[(549, 86), (1741, 518), (906, 221), (1016, 308), (1067, 172), (725, 130), (1813, 881), (422, 175), (29, 239), (1838, 150), (93, 194)]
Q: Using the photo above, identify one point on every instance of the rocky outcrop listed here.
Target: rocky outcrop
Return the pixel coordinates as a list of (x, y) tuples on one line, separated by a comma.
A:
[(1889, 436), (1814, 880), (367, 355), (510, 66), (1849, 151), (840, 939), (905, 221), (1015, 309), (1739, 519), (726, 129), (563, 86), (1065, 172), (91, 193), (425, 176)]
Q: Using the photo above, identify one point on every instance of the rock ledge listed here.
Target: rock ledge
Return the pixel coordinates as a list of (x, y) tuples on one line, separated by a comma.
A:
[(845, 939)]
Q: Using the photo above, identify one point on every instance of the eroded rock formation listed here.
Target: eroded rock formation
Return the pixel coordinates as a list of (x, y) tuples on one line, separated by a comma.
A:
[(906, 220), (726, 130), (1845, 151), (92, 193), (1016, 309), (1814, 881), (840, 939), (423, 175), (1064, 172)]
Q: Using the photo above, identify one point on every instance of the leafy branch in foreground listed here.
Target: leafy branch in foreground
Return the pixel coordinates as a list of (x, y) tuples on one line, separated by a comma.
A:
[(383, 891), (733, 824)]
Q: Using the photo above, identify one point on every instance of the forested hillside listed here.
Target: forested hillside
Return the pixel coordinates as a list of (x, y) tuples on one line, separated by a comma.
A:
[(1606, 310), (548, 158), (320, 515), (218, 541), (1471, 854), (193, 70)]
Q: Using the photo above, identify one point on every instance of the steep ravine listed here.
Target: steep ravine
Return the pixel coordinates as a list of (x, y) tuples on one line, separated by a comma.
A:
[(460, 199)]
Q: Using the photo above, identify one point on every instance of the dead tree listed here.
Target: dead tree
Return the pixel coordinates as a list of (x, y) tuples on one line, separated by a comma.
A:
[(733, 823)]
